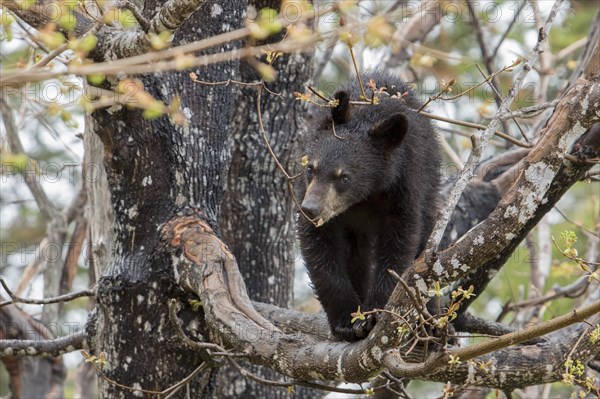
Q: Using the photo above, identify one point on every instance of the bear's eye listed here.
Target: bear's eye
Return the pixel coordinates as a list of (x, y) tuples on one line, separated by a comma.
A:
[(309, 171), (345, 179)]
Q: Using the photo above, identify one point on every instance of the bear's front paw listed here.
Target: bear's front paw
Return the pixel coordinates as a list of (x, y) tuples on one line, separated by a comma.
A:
[(355, 331), (345, 332)]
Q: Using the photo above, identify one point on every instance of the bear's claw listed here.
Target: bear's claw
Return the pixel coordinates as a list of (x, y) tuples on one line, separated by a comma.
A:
[(355, 331)]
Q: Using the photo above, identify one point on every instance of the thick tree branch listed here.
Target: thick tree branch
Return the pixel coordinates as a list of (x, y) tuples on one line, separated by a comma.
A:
[(294, 322), (117, 44), (204, 266), (42, 13), (587, 147)]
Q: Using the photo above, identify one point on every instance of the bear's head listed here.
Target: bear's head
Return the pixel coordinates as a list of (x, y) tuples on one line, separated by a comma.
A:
[(353, 155)]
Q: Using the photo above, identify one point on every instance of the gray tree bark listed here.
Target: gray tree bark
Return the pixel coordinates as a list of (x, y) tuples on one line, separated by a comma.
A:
[(155, 170), (258, 211)]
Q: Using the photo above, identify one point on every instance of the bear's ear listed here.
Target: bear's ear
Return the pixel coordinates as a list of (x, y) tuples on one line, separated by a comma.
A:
[(341, 113), (390, 132)]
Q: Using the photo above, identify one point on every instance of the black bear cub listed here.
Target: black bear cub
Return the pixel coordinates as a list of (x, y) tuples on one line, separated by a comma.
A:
[(370, 188)]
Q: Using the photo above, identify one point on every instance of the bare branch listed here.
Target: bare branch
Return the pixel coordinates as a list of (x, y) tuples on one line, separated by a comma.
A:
[(46, 348), (132, 60), (56, 228), (529, 112), (115, 43), (167, 60), (476, 126), (487, 59), (572, 290), (62, 298), (33, 268), (77, 205), (538, 330)]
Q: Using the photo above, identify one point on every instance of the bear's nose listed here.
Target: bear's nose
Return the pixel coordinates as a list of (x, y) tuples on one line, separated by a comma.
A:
[(310, 208)]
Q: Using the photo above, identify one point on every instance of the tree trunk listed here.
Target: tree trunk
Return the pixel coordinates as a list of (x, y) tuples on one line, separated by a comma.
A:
[(258, 211), (156, 170)]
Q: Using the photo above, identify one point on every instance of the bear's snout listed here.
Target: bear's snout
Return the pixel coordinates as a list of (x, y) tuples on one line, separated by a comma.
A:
[(311, 207)]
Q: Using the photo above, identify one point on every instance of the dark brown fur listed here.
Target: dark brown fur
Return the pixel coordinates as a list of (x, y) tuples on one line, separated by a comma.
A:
[(375, 189)]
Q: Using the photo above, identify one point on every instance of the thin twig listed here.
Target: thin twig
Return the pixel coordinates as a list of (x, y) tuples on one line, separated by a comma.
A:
[(440, 359), (297, 203), (399, 383), (61, 49), (486, 80), (467, 135), (508, 29), (263, 133), (577, 343), (477, 126), (101, 374), (165, 60), (487, 60), (31, 36), (573, 290), (324, 59), (499, 96), (316, 93), (49, 57), (61, 298), (33, 268), (418, 306), (571, 48), (233, 81), (275, 159), (574, 159), (227, 82), (175, 388), (450, 120), (579, 225), (360, 83), (162, 65)]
